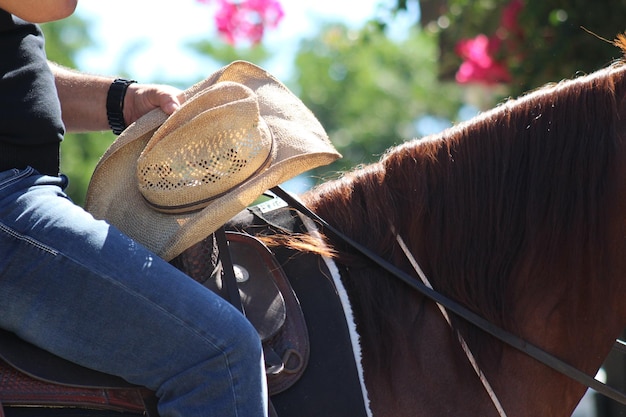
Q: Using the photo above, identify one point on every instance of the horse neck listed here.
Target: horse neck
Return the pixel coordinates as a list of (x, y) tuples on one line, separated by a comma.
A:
[(575, 319), (524, 386), (579, 327), (582, 339), (427, 372)]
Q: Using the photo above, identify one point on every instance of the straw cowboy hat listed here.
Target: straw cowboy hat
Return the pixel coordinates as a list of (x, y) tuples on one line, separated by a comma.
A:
[(169, 182)]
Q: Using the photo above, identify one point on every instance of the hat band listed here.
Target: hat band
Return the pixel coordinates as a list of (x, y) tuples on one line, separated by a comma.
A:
[(200, 204)]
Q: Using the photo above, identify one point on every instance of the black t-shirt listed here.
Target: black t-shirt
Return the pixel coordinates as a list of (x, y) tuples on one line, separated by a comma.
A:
[(31, 127)]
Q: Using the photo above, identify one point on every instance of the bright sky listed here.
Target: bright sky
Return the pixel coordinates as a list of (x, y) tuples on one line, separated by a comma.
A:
[(156, 30)]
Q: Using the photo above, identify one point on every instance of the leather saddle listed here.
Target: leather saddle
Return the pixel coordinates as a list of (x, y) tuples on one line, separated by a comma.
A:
[(267, 299)]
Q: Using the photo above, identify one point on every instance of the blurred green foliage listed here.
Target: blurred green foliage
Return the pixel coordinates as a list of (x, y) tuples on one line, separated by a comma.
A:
[(556, 46), (368, 90)]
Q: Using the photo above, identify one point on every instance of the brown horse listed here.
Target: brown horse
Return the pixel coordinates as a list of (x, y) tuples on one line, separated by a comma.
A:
[(519, 215)]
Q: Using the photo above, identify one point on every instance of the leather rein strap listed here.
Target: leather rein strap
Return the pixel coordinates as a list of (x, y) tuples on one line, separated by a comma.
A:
[(228, 272), (488, 327)]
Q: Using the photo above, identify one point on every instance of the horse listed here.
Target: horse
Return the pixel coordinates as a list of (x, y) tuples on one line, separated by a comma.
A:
[(519, 216)]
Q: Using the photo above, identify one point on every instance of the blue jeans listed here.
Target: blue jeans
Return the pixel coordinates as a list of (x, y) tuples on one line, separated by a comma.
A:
[(79, 288)]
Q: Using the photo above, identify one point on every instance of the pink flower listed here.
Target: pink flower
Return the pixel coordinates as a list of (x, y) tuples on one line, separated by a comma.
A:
[(246, 19), (479, 62), (479, 65)]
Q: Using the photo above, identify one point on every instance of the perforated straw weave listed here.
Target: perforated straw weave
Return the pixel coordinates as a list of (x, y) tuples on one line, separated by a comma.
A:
[(182, 169)]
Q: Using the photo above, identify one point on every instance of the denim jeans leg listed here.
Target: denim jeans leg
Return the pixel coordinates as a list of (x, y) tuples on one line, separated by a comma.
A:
[(86, 292)]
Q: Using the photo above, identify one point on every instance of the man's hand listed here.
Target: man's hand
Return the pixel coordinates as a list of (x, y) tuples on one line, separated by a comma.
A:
[(142, 98)]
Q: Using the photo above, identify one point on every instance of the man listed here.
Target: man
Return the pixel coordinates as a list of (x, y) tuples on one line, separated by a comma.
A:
[(80, 288)]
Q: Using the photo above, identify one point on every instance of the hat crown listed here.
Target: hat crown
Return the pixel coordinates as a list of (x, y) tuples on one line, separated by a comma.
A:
[(211, 145)]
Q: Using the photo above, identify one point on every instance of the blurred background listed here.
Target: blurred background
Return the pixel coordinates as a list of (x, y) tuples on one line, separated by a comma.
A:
[(375, 72)]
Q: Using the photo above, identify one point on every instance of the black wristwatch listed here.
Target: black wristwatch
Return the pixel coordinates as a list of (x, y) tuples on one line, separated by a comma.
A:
[(115, 104)]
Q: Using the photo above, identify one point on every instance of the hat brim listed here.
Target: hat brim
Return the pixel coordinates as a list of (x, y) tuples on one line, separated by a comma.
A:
[(300, 144)]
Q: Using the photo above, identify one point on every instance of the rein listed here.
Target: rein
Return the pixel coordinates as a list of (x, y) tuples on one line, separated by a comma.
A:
[(488, 327)]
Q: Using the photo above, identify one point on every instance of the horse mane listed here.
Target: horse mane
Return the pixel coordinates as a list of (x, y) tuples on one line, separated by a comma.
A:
[(515, 193)]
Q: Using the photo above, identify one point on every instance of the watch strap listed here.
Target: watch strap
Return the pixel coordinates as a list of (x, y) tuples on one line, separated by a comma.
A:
[(115, 104)]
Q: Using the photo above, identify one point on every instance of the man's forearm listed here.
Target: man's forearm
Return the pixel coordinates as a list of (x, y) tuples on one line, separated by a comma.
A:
[(83, 99)]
